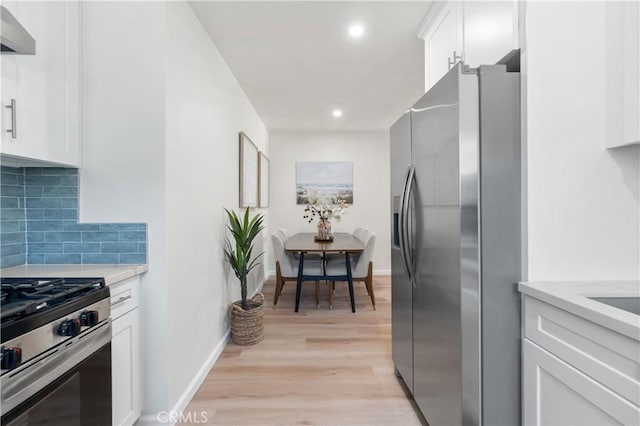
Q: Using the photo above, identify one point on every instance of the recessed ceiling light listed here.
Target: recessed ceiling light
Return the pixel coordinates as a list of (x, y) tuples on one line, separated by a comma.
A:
[(356, 30), (337, 113)]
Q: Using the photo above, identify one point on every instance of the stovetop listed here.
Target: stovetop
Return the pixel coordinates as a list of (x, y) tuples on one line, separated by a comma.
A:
[(26, 303)]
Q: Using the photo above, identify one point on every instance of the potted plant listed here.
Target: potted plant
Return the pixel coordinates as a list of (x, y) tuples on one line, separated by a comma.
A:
[(246, 314)]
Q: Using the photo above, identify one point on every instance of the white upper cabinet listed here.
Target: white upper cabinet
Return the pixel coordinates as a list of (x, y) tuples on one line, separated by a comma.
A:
[(442, 40), (479, 33), (622, 74), (490, 31), (44, 88)]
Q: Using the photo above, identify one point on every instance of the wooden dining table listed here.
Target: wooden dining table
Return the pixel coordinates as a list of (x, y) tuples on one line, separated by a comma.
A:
[(304, 243)]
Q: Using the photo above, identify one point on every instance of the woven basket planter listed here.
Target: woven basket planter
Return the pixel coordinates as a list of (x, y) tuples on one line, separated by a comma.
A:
[(247, 326)]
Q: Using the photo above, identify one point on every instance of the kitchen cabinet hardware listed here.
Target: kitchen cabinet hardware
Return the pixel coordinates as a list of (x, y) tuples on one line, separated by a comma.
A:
[(455, 60), (121, 300), (12, 130)]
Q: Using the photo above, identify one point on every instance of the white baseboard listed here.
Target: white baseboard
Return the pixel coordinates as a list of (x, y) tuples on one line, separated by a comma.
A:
[(163, 418), (148, 420), (202, 373)]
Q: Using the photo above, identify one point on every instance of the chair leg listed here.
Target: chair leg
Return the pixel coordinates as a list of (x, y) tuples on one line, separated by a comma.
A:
[(279, 285), (369, 284), (279, 288), (317, 294)]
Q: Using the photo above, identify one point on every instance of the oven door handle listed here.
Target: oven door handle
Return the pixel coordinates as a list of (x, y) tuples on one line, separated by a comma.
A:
[(25, 381)]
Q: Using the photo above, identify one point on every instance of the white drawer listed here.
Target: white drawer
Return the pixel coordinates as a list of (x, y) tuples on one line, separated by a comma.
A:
[(607, 356), (124, 296)]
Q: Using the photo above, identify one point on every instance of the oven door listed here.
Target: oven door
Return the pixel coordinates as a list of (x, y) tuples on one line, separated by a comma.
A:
[(67, 385)]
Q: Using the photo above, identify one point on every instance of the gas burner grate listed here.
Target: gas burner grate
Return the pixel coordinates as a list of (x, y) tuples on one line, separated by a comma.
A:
[(22, 297)]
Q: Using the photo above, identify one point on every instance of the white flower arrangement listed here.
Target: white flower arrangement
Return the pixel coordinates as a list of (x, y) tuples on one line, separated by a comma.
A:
[(329, 209)]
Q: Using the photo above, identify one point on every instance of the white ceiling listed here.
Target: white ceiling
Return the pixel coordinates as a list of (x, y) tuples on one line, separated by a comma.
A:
[(297, 63)]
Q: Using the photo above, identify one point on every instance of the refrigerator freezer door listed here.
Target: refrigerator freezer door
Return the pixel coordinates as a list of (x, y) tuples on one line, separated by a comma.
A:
[(470, 287), (436, 153), (402, 333), (501, 214)]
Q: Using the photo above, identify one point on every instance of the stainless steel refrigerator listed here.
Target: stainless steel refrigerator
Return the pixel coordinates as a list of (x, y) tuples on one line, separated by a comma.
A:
[(456, 221)]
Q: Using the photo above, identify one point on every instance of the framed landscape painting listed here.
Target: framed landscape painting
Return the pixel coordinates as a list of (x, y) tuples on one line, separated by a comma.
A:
[(248, 172), (324, 180)]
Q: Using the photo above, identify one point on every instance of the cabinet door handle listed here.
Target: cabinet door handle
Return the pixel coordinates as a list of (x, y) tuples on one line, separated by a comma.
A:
[(12, 130), (455, 59), (119, 301)]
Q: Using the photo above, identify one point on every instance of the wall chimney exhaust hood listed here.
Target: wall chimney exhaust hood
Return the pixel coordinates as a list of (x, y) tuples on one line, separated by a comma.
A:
[(14, 38)]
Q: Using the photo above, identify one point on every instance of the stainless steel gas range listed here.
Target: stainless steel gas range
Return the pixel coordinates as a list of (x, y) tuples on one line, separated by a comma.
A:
[(56, 351)]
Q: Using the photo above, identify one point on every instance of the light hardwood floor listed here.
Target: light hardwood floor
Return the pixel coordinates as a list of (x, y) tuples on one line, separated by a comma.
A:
[(316, 367)]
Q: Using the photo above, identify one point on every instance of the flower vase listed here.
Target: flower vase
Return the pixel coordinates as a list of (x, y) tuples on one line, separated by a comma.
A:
[(324, 229)]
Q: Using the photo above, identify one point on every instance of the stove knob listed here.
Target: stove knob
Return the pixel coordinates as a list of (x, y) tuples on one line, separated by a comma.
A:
[(11, 358), (69, 328), (89, 318)]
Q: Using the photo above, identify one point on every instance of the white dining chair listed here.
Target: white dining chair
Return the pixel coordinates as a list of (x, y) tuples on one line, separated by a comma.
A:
[(287, 266), (359, 232), (285, 231), (361, 268)]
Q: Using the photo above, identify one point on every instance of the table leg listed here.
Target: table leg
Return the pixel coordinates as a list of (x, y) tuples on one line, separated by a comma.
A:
[(350, 280), (331, 288), (299, 283)]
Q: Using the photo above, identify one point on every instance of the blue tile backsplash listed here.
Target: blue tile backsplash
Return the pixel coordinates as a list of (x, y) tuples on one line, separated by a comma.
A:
[(13, 244), (39, 223)]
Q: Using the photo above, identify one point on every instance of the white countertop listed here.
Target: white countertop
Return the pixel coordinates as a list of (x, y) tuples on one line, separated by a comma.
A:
[(111, 273), (573, 296)]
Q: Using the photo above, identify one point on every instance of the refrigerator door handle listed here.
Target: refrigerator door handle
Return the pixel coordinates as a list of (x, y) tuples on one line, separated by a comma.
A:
[(404, 228), (403, 249), (409, 221), (402, 225)]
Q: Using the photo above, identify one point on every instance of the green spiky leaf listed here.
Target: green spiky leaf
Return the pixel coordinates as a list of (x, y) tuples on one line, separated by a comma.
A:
[(238, 247)]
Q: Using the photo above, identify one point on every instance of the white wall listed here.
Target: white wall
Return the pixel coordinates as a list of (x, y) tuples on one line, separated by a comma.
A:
[(161, 118), (206, 109), (369, 152), (123, 174), (583, 200)]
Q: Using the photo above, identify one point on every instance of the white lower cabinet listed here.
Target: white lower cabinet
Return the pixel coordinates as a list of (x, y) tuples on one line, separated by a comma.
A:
[(555, 393), (576, 372), (125, 353)]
